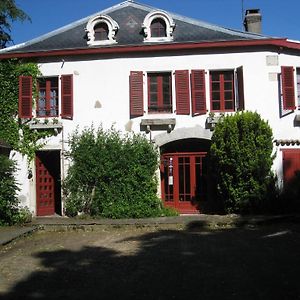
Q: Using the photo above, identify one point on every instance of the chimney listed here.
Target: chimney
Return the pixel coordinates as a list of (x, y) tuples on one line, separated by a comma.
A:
[(252, 21)]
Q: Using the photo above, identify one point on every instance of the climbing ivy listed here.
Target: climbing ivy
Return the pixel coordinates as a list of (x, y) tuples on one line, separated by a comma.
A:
[(13, 130)]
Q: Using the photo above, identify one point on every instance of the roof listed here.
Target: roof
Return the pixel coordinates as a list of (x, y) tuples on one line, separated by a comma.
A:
[(130, 16)]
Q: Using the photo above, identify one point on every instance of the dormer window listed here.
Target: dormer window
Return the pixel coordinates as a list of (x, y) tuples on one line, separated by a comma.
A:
[(101, 30), (158, 26)]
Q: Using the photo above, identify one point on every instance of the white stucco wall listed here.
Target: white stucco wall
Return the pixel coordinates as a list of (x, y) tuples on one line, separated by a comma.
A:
[(106, 80)]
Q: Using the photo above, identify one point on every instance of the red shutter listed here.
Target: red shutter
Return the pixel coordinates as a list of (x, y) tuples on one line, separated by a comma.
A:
[(25, 97), (198, 92), (240, 87), (136, 94), (67, 96), (182, 92), (288, 88)]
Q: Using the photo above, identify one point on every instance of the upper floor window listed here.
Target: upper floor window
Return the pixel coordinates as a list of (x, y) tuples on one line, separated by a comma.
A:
[(222, 91), (101, 30), (158, 26), (159, 92), (54, 96), (47, 102)]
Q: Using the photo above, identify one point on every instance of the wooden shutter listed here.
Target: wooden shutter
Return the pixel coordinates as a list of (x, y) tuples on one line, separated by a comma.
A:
[(136, 94), (25, 97), (182, 86), (67, 96), (198, 92), (240, 89), (288, 88)]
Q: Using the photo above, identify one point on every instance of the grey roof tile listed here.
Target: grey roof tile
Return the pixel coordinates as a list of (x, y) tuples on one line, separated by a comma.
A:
[(130, 16)]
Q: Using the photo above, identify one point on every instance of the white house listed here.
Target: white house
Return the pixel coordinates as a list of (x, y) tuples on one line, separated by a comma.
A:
[(140, 68)]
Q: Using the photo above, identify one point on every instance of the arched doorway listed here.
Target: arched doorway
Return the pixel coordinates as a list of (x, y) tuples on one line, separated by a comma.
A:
[(184, 174)]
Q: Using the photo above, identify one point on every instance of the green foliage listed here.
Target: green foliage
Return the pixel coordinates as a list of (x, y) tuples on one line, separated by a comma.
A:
[(12, 130), (241, 157), (8, 188), (112, 176), (9, 13)]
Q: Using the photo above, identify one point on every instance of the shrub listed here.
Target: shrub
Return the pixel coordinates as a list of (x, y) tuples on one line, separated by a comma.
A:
[(112, 175), (241, 157), (9, 211)]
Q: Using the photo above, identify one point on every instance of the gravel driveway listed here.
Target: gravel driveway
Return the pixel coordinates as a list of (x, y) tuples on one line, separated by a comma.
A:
[(165, 262)]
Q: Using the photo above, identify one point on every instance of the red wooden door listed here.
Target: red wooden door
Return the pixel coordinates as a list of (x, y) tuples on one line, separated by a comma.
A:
[(183, 178), (45, 192), (291, 163)]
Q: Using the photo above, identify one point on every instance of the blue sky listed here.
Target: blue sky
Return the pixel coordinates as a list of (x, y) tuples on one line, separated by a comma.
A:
[(280, 17)]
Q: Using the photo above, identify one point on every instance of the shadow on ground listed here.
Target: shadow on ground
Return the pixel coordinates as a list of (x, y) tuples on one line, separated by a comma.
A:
[(170, 264)]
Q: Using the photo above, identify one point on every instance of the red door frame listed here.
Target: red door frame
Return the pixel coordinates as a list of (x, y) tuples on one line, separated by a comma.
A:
[(184, 206), (45, 189)]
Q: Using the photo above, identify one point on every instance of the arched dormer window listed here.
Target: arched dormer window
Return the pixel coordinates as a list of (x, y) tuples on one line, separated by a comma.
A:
[(158, 26), (101, 30)]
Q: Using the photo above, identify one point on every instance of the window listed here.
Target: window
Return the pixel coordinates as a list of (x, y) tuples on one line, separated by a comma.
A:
[(47, 102), (298, 87), (101, 32), (222, 91), (159, 92), (189, 92), (158, 28)]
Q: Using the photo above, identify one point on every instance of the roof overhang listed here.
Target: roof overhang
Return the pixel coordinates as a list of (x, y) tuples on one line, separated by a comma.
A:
[(279, 44)]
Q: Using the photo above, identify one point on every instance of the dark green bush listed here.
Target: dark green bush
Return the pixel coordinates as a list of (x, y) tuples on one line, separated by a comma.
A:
[(241, 158), (9, 211), (112, 175)]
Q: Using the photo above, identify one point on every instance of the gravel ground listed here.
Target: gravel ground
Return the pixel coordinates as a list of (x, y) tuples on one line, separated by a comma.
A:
[(154, 262)]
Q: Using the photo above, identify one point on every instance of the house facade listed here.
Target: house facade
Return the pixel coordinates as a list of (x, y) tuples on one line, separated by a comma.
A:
[(142, 69)]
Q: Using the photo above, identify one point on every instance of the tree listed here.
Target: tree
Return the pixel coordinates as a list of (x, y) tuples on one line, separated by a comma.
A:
[(241, 158), (112, 175), (9, 13)]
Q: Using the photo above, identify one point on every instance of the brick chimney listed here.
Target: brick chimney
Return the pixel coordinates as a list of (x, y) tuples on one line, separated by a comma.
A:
[(252, 21)]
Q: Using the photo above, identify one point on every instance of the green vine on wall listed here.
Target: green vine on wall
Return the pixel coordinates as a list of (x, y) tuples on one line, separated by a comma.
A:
[(13, 130)]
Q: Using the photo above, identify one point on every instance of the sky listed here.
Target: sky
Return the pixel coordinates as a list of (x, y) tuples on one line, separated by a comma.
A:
[(280, 18)]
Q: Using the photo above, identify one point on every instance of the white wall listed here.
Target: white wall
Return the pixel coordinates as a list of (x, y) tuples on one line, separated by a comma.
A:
[(107, 81)]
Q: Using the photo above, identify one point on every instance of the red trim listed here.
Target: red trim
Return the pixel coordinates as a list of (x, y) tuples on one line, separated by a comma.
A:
[(279, 43), (182, 87), (25, 97), (67, 96), (198, 92), (136, 94), (288, 88)]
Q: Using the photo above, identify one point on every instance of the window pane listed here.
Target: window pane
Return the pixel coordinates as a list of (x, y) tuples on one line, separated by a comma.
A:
[(101, 32), (228, 85), (216, 105), (158, 28), (227, 76), (216, 86), (228, 105), (228, 96), (215, 76), (215, 95)]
